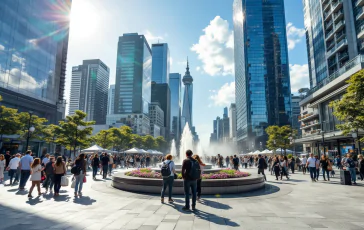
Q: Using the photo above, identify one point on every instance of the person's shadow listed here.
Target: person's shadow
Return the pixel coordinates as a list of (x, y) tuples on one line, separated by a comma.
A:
[(83, 200), (34, 201), (215, 204)]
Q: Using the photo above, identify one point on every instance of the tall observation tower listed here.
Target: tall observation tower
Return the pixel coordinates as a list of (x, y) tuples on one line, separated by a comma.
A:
[(187, 99)]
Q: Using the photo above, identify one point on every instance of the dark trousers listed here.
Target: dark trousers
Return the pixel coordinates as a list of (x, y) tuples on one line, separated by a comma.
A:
[(277, 172), (167, 182), (104, 171), (49, 181), (327, 173), (199, 188), (246, 165), (24, 176), (292, 168), (312, 172), (12, 174), (304, 169), (262, 172), (57, 182), (94, 171), (190, 184)]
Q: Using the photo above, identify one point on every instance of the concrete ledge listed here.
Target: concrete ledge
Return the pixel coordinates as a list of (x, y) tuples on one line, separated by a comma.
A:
[(209, 187)]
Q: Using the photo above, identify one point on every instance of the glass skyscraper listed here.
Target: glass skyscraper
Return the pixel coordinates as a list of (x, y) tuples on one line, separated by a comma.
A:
[(161, 63), (263, 92), (175, 87), (33, 54)]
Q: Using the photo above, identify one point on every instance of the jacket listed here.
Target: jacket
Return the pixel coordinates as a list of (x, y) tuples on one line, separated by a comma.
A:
[(186, 168)]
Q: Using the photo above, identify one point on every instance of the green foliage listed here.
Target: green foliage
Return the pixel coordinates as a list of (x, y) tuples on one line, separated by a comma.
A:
[(104, 139), (289, 156), (38, 123), (350, 108), (149, 142), (280, 135), (9, 121), (161, 144)]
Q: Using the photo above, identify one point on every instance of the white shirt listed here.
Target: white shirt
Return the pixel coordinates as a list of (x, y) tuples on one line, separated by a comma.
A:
[(304, 160), (171, 166), (14, 163), (311, 162), (45, 160)]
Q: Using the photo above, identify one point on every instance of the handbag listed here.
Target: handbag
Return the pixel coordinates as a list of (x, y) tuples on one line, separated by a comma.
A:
[(73, 184), (84, 179), (64, 181), (329, 167)]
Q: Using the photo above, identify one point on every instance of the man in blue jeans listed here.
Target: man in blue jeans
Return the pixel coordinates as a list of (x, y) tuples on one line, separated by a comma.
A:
[(188, 182), (24, 165), (350, 164), (311, 165)]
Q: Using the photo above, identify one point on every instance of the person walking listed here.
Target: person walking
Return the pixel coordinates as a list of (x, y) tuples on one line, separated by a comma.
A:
[(246, 160), (325, 164), (7, 158), (95, 165), (293, 164), (59, 171), (105, 165), (168, 180), (236, 163), (262, 164), (350, 164), (338, 162), (191, 172), (81, 163), (317, 162), (25, 165), (111, 164), (276, 167), (284, 167), (36, 176), (227, 160), (311, 165), (361, 166), (202, 166), (2, 168), (303, 164), (49, 171), (45, 160), (13, 167)]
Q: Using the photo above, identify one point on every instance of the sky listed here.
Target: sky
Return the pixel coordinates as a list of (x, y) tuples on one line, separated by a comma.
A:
[(200, 30)]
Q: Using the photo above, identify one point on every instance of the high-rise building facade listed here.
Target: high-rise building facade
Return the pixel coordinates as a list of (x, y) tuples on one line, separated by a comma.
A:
[(232, 120), (161, 94), (161, 63), (111, 100), (33, 55), (89, 87), (187, 99), (175, 87), (263, 92), (156, 116)]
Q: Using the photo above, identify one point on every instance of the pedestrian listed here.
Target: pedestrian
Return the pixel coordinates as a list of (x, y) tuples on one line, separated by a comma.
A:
[(276, 167), (262, 164), (199, 181), (49, 172), (168, 167), (246, 160), (361, 166), (45, 160), (236, 163), (191, 172), (7, 158), (325, 164), (284, 167), (338, 162), (13, 167), (36, 176), (81, 173), (350, 164), (303, 164), (2, 168), (25, 163), (111, 164), (227, 159), (317, 162), (95, 165), (59, 172), (147, 161), (293, 164), (311, 165), (105, 165)]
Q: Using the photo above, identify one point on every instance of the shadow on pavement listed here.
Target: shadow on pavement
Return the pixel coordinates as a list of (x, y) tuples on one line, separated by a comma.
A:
[(34, 201), (84, 200), (216, 205)]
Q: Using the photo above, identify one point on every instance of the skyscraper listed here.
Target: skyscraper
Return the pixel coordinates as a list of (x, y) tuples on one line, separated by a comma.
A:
[(89, 87), (187, 99), (232, 120), (161, 63), (263, 92), (33, 55), (111, 100), (161, 94), (175, 87), (133, 82), (156, 116)]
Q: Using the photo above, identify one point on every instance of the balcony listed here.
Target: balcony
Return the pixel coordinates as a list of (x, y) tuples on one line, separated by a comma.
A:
[(310, 124), (343, 56), (324, 1), (339, 15), (326, 7), (327, 16), (339, 46), (308, 116), (329, 24), (330, 35), (340, 35), (332, 64), (360, 14), (330, 45), (361, 32), (336, 6), (361, 46), (312, 132), (339, 26), (359, 3)]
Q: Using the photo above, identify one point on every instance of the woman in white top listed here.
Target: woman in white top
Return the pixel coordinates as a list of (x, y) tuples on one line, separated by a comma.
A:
[(168, 181), (202, 167), (36, 176), (2, 167)]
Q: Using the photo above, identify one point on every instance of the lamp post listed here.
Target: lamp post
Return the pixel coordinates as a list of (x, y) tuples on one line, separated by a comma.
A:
[(31, 129), (261, 145), (290, 142), (323, 142), (355, 136)]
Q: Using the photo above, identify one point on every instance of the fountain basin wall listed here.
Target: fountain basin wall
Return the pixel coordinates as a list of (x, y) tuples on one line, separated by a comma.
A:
[(209, 186)]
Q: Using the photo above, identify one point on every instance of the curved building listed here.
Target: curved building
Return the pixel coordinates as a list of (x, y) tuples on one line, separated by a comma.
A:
[(187, 98)]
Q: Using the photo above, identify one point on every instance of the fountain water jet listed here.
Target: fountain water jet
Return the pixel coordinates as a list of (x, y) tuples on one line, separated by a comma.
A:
[(173, 151), (186, 143)]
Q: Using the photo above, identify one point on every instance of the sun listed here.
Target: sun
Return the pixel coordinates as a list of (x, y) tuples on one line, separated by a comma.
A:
[(84, 19)]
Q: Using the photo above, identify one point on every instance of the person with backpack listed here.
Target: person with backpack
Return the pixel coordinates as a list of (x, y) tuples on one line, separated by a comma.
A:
[(202, 166), (49, 171), (168, 171), (191, 172), (262, 164), (79, 171), (236, 163), (350, 164)]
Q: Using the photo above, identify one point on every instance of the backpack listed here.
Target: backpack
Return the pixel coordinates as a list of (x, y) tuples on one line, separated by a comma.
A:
[(165, 170), (76, 169), (351, 163), (265, 165), (195, 172)]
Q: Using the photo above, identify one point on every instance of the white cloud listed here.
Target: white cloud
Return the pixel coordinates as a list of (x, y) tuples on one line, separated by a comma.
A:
[(224, 96), (171, 60), (2, 47), (299, 77), (151, 38), (18, 59), (294, 35), (215, 48), (21, 80), (182, 63)]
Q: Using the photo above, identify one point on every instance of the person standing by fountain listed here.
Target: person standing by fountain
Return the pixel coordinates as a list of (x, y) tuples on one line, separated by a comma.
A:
[(202, 166), (227, 160), (168, 171), (191, 172)]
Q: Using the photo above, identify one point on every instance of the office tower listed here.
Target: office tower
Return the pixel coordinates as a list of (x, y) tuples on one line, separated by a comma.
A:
[(133, 83), (175, 87), (89, 90), (161, 63), (263, 92), (225, 112), (162, 95), (187, 99), (111, 100), (334, 35), (232, 120), (156, 116), (33, 55)]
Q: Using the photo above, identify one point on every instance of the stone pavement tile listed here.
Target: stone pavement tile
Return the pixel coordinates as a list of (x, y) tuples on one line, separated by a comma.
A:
[(148, 227), (171, 217), (184, 225), (116, 215), (166, 226), (154, 219), (201, 224), (117, 224), (146, 214), (169, 220), (98, 226), (18, 227), (153, 207), (276, 220), (187, 217), (135, 223)]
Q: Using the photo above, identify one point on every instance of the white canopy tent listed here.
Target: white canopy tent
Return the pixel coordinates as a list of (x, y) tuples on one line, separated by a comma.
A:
[(133, 151), (287, 151), (266, 151), (154, 152), (96, 149)]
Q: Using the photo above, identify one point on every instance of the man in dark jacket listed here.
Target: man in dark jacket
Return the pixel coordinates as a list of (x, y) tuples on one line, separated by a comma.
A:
[(49, 171), (261, 166), (105, 165), (189, 182)]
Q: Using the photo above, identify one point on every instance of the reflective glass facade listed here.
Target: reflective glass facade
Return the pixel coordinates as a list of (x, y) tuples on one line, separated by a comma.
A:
[(33, 52), (133, 75), (175, 87), (161, 63), (263, 92)]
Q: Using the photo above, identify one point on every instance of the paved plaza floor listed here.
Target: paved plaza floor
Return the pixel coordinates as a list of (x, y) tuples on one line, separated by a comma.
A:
[(293, 204)]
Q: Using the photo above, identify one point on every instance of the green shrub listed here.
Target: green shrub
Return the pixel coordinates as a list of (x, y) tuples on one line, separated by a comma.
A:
[(290, 156)]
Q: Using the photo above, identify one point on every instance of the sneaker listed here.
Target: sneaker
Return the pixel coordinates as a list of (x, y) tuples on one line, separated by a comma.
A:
[(46, 190), (80, 193), (193, 208), (185, 209), (170, 201), (354, 183), (75, 194), (162, 200), (30, 195)]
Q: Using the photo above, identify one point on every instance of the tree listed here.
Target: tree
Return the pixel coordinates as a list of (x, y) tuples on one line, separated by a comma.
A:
[(149, 142), (74, 131), (279, 137), (9, 121), (161, 144), (137, 141), (104, 138), (30, 120), (50, 135), (350, 108)]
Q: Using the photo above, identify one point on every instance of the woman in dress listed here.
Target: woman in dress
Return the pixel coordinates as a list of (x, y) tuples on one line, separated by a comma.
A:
[(2, 167), (59, 171), (276, 167), (36, 176), (202, 166)]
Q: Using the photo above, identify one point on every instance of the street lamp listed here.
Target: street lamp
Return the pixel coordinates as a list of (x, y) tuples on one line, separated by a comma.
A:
[(355, 136), (261, 144), (323, 141), (31, 129)]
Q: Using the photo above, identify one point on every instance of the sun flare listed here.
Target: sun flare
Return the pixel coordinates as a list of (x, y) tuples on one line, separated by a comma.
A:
[(84, 19)]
